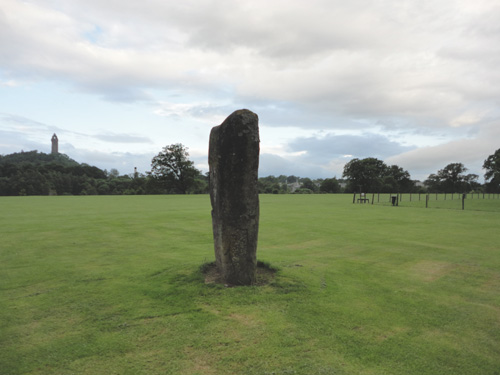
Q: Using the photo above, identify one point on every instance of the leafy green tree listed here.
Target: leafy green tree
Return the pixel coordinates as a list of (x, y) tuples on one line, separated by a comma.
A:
[(154, 186), (303, 191), (282, 179), (272, 185), (266, 184), (364, 175), (113, 173), (399, 179), (433, 183), (471, 183), (173, 168), (329, 185), (201, 184), (452, 179), (373, 175), (492, 175), (307, 183)]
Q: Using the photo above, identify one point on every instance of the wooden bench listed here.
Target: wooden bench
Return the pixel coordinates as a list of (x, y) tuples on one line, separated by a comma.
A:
[(363, 199)]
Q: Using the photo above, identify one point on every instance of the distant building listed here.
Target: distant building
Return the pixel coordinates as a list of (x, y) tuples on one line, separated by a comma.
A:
[(55, 144), (293, 186)]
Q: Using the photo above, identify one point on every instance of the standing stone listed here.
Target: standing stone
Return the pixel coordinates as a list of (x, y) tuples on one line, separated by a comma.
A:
[(234, 162)]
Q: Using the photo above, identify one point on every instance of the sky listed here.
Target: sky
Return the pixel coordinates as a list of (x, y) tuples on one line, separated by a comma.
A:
[(412, 83)]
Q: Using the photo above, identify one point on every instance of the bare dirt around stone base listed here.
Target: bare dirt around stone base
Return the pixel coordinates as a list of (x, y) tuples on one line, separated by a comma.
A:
[(265, 274)]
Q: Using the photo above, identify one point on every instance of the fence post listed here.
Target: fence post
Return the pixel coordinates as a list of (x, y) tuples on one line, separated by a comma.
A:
[(378, 197), (354, 198), (463, 201), (427, 201), (373, 198)]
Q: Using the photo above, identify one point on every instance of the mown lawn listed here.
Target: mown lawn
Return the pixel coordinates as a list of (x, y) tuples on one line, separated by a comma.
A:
[(111, 285)]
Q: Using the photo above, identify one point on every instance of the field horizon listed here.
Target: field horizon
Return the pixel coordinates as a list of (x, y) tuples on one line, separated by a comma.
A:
[(113, 285)]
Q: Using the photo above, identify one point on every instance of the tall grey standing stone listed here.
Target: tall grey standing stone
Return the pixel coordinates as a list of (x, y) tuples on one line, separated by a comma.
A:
[(234, 162)]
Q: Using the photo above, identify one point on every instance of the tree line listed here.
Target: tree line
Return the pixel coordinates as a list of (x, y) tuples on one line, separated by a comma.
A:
[(35, 173), (374, 176)]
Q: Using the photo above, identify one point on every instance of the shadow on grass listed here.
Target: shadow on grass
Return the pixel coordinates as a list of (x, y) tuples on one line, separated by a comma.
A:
[(174, 291)]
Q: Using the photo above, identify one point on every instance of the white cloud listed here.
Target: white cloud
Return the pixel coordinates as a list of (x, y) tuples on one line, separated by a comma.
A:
[(360, 146), (471, 152), (402, 74), (354, 58), (122, 138)]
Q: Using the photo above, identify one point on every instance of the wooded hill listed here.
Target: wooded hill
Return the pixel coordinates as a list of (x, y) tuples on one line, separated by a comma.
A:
[(36, 173)]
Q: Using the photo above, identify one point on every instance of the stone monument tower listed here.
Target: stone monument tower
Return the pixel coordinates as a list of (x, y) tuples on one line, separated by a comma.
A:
[(55, 144)]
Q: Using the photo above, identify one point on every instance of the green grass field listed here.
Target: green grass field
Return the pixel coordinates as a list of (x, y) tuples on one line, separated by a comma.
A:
[(111, 285)]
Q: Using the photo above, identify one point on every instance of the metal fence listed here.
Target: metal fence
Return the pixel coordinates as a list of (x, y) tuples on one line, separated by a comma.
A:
[(456, 201)]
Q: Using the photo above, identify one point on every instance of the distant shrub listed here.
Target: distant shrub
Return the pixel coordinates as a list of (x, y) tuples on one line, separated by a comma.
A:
[(303, 191)]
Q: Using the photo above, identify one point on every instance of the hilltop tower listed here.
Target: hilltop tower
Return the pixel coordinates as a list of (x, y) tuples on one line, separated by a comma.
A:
[(55, 144)]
